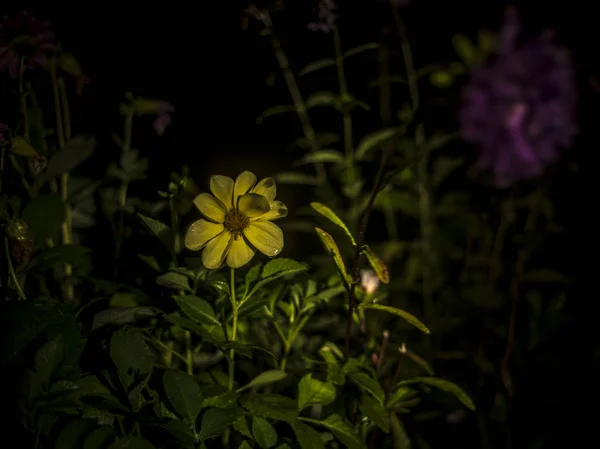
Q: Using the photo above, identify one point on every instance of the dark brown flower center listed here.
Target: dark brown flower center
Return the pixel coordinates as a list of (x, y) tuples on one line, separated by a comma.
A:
[(236, 221)]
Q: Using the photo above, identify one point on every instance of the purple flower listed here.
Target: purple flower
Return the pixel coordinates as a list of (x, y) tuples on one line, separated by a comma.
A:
[(163, 117), (520, 109), (326, 17), (23, 36)]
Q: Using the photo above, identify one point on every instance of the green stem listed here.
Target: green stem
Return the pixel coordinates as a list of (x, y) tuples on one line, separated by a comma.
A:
[(234, 312), (169, 350), (11, 269), (189, 362), (347, 117), (425, 207), (175, 227), (297, 99)]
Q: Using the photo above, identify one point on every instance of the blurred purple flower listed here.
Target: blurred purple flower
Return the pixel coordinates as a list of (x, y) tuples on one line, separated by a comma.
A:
[(3, 130), (520, 109), (23, 36), (326, 16), (163, 117)]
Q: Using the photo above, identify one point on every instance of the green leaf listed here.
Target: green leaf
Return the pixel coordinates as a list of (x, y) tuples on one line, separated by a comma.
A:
[(331, 216), (72, 435), (273, 406), (399, 312), (48, 259), (264, 378), (375, 412), (48, 360), (275, 110), (368, 384), (322, 156), (342, 430), (274, 269), (21, 147), (441, 78), (418, 360), (443, 167), (100, 438), (176, 281), (131, 442), (313, 391), (373, 141), (308, 438), (295, 178), (322, 99), (264, 433), (131, 356), (401, 440), (122, 315), (438, 141), (333, 250), (186, 323), (317, 65), (321, 140), (44, 214), (159, 230), (182, 431), (465, 49), (216, 420), (377, 264), (76, 150), (444, 385), (245, 445), (183, 393), (242, 427), (197, 309), (361, 49)]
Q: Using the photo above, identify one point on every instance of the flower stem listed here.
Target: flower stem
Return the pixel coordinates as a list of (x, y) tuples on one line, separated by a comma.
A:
[(425, 207), (234, 312), (11, 269), (189, 353), (294, 90)]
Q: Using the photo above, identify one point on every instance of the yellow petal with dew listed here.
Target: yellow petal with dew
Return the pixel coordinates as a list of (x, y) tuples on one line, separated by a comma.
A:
[(200, 233), (215, 251), (244, 182), (278, 210), (265, 237), (266, 188), (239, 252), (222, 188), (210, 207), (253, 205)]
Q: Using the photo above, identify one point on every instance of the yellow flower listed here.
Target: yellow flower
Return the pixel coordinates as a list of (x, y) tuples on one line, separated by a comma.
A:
[(237, 214)]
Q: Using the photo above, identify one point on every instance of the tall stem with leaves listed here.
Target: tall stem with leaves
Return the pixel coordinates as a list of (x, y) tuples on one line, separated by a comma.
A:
[(234, 317), (425, 207), (296, 95)]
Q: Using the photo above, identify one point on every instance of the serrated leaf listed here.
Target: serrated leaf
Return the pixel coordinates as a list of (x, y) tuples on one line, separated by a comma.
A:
[(264, 378), (176, 281), (312, 391), (275, 269), (295, 178), (333, 250), (197, 309), (180, 430), (308, 438), (273, 406), (331, 216), (131, 356), (317, 65), (444, 385), (264, 433), (375, 412), (399, 312), (76, 150), (183, 393), (322, 156), (374, 140), (242, 427), (377, 264), (216, 420), (368, 384), (131, 442), (160, 230), (342, 430), (275, 110)]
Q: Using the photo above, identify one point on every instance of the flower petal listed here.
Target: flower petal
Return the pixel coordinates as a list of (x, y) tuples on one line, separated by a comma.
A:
[(253, 205), (265, 237), (239, 253), (210, 207), (278, 210), (266, 188), (243, 184), (222, 188), (215, 251), (200, 232)]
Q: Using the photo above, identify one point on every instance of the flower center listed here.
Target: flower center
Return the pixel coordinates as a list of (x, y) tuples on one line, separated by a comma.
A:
[(236, 221)]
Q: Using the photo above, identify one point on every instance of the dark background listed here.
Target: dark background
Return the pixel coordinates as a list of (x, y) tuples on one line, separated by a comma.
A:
[(196, 56)]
